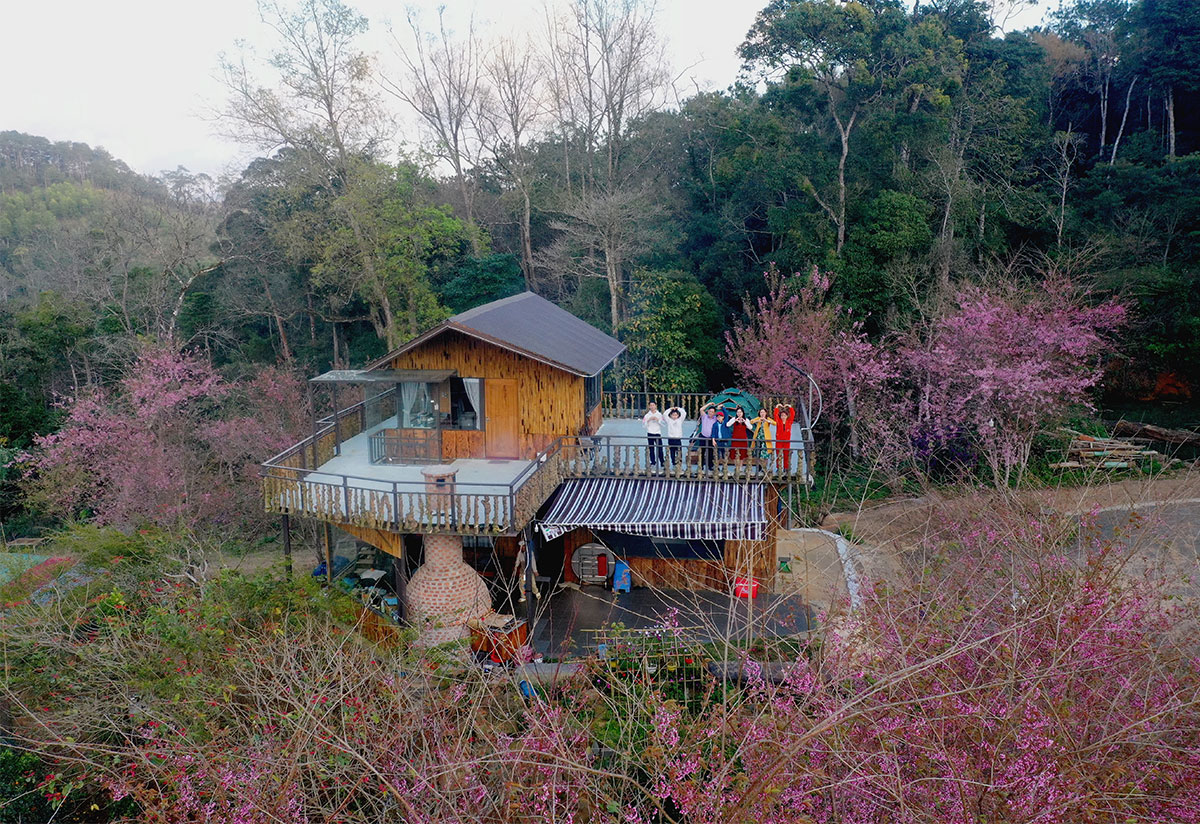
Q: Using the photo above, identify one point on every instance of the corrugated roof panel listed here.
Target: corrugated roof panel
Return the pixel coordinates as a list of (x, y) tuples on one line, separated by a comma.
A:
[(693, 509)]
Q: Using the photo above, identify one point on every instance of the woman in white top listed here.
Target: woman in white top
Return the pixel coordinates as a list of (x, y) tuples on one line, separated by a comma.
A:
[(674, 423), (653, 421)]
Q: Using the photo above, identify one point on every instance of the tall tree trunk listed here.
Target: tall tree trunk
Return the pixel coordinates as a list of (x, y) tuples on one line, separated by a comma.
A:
[(526, 239), (841, 218), (312, 319), (1116, 143), (612, 271), (904, 148), (852, 414), (980, 227), (945, 246), (285, 351), (1171, 122), (1104, 93), (469, 206)]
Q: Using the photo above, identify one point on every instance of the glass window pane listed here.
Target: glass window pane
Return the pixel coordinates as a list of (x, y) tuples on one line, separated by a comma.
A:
[(466, 403), (416, 406)]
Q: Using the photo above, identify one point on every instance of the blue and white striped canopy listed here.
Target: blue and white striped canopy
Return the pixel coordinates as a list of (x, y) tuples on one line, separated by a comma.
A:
[(663, 508)]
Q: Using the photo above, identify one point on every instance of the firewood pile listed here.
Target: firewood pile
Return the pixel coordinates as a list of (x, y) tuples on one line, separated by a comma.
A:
[(1091, 452)]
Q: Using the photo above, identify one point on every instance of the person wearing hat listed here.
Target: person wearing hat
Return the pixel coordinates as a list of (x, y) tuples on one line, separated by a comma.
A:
[(722, 432)]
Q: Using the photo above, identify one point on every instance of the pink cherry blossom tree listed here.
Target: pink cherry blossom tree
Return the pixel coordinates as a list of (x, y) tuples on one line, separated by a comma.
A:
[(994, 366), (171, 444), (1016, 673), (796, 321), (1007, 360)]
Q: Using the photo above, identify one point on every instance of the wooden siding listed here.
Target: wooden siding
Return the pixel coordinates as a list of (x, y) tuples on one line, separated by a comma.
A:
[(462, 443), (757, 557), (689, 573), (571, 542), (677, 573), (595, 418), (378, 629), (550, 400), (390, 542)]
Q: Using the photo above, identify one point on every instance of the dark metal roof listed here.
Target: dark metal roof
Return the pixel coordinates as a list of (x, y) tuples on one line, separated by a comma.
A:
[(532, 326), (384, 376)]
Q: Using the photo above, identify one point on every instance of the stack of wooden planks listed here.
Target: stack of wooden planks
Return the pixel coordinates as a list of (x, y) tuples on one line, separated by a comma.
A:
[(1091, 452)]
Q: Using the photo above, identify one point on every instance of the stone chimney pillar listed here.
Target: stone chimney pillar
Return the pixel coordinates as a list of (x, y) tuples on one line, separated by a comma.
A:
[(445, 592)]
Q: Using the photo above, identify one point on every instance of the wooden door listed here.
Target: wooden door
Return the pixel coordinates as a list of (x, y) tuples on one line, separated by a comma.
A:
[(502, 422)]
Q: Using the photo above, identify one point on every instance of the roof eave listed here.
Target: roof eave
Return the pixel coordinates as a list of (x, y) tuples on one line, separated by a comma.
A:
[(475, 333)]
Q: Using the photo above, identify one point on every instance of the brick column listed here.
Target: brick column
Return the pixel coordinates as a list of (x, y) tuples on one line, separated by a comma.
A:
[(445, 592)]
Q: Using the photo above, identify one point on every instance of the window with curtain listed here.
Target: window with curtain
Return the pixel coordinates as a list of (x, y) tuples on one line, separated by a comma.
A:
[(466, 403), (416, 406)]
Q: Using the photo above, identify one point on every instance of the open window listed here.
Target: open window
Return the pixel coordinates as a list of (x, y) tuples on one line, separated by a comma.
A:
[(466, 404)]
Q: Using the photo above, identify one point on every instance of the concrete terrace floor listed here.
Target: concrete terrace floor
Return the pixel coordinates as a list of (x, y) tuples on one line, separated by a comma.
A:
[(483, 475), (567, 617)]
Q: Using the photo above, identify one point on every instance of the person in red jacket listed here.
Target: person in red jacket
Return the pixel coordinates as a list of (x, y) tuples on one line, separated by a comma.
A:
[(784, 415), (740, 436)]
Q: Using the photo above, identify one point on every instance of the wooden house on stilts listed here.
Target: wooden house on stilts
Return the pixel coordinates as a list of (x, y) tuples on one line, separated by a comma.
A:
[(493, 430)]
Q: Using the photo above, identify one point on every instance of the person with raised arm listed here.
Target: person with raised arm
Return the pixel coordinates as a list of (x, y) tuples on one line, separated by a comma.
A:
[(705, 432), (674, 425), (652, 422), (764, 436), (784, 415)]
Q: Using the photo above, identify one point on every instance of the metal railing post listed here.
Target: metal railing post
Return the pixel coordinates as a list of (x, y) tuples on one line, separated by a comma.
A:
[(395, 505)]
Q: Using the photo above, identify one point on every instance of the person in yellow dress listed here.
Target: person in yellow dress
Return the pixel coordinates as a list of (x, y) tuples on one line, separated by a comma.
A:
[(763, 439)]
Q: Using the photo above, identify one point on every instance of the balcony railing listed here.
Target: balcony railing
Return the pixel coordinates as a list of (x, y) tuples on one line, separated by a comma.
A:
[(294, 484), (634, 404), (416, 446), (623, 456)]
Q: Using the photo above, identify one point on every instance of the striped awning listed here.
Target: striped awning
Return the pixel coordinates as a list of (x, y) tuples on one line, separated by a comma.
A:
[(664, 508)]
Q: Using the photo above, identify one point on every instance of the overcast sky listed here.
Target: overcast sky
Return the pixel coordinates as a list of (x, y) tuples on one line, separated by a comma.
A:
[(139, 77)]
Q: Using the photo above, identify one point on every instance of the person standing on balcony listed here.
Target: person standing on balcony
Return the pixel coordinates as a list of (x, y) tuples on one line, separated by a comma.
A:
[(739, 432), (674, 424), (722, 432), (784, 415), (708, 443), (763, 440), (652, 422)]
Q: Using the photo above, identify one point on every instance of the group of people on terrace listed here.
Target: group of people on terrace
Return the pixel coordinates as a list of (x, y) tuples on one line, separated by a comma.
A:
[(723, 433)]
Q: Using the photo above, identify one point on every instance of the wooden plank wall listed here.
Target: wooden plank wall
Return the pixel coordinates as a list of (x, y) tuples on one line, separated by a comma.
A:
[(595, 418), (757, 557), (390, 542), (551, 400), (571, 542), (678, 573), (462, 443)]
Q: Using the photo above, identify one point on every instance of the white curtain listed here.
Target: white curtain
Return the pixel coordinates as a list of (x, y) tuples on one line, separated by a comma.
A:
[(473, 388), (408, 396)]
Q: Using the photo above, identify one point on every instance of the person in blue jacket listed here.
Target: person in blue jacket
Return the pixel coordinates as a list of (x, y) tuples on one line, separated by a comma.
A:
[(722, 432)]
